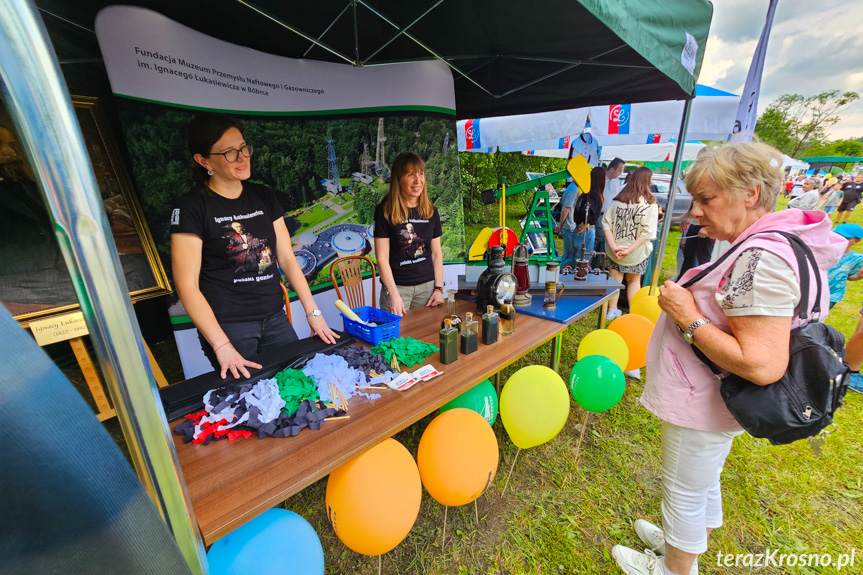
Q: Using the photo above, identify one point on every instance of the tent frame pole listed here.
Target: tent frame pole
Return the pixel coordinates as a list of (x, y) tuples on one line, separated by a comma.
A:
[(38, 101), (672, 192)]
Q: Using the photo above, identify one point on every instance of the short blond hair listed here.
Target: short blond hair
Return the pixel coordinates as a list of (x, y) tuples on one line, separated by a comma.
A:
[(738, 168)]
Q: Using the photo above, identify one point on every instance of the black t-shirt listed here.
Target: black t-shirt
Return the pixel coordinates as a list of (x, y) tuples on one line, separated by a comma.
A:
[(239, 274), (852, 192), (410, 245), (587, 208)]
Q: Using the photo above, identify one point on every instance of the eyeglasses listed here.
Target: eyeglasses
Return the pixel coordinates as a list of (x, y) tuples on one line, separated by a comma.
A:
[(232, 156)]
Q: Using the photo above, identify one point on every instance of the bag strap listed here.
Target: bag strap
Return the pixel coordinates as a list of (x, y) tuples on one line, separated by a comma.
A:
[(801, 252), (805, 256)]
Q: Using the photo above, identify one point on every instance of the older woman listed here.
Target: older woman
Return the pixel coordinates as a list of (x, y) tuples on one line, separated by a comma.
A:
[(740, 315), (808, 199)]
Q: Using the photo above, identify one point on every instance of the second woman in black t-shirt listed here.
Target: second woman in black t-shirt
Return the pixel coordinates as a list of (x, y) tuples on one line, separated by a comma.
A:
[(407, 240)]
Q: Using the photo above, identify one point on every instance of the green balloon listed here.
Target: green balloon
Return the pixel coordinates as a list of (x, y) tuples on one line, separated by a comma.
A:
[(482, 398), (597, 383)]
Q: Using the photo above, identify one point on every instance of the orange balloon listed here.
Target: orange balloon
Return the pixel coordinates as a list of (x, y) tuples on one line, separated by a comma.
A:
[(457, 456), (648, 306), (373, 500), (636, 331)]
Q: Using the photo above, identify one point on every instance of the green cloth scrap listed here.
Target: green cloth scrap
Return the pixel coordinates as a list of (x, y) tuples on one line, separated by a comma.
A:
[(294, 387), (408, 350)]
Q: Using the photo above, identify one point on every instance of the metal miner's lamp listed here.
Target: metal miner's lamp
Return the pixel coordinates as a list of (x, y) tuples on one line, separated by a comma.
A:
[(495, 284), (521, 271), (553, 287)]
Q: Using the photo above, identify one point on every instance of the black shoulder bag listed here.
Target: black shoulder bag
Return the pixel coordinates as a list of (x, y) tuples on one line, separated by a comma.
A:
[(802, 403)]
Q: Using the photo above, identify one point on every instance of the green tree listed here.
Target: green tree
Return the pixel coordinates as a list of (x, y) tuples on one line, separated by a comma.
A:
[(853, 148), (794, 123)]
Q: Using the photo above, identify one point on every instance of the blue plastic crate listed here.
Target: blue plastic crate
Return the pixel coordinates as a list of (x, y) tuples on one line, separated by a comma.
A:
[(388, 327)]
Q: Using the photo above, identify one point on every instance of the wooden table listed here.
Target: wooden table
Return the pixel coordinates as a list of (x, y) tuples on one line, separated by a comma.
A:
[(231, 483)]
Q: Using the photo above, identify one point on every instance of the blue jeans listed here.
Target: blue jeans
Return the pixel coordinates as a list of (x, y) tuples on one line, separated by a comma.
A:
[(253, 337), (572, 243), (599, 244)]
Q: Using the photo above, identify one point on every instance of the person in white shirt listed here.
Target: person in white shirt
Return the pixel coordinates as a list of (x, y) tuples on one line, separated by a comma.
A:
[(630, 226), (612, 188), (809, 198), (797, 188)]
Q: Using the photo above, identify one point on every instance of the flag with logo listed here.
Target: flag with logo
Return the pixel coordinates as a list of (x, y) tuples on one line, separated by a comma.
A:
[(747, 112)]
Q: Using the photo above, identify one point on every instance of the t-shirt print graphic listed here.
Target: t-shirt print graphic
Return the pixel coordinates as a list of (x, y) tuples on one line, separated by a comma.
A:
[(629, 220), (411, 246), (248, 254)]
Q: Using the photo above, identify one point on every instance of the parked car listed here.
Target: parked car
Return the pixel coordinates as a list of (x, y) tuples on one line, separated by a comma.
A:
[(660, 184)]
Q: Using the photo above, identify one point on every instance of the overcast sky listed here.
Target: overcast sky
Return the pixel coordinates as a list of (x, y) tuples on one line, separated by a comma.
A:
[(815, 45)]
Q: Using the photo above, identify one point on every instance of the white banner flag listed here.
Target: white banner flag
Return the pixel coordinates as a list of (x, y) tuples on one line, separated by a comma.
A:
[(747, 113)]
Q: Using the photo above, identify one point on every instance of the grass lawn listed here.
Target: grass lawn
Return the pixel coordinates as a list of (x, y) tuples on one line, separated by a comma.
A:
[(571, 499), (314, 216)]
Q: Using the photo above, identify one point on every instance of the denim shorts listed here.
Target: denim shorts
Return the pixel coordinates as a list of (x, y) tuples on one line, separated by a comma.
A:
[(253, 337)]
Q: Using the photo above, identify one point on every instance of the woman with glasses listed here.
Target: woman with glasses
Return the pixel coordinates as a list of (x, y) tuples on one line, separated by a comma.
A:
[(227, 234)]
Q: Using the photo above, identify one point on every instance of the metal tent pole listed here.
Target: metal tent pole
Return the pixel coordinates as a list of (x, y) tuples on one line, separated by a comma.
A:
[(38, 101), (669, 208)]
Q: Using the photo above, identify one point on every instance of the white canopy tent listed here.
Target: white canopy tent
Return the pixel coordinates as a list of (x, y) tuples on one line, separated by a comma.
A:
[(633, 153), (711, 118), (789, 162)]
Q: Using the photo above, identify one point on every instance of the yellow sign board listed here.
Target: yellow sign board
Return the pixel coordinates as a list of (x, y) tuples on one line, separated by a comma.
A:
[(59, 328), (579, 169)]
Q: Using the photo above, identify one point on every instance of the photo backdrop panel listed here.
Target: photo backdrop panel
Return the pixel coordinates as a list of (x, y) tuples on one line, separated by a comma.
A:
[(324, 172)]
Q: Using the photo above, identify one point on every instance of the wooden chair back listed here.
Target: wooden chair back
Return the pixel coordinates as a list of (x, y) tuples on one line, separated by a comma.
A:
[(351, 272), (287, 303)]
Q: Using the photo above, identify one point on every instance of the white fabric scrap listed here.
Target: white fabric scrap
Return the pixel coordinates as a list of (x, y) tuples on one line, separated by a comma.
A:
[(265, 396), (327, 369)]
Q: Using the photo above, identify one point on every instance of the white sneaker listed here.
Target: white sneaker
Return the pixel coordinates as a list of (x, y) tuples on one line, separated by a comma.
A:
[(633, 373), (634, 562), (613, 314), (651, 535)]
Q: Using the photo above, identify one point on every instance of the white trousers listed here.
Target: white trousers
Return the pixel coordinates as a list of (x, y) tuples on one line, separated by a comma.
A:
[(692, 462)]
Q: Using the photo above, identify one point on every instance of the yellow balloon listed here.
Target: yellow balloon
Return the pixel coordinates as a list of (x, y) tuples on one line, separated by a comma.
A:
[(605, 342), (642, 292), (648, 306), (534, 405)]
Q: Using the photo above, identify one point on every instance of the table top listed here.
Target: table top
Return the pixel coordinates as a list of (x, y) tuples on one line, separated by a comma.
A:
[(232, 482), (569, 308)]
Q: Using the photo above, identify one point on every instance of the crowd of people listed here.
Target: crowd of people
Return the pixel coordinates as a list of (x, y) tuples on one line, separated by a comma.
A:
[(832, 194)]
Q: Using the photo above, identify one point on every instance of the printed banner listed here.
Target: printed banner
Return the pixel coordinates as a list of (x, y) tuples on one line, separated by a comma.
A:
[(324, 136), (153, 58)]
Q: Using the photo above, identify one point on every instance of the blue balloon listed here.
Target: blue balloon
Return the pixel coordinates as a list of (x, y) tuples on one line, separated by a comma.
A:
[(275, 543)]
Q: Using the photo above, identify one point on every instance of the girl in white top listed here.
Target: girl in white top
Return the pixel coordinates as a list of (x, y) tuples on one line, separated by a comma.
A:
[(630, 227)]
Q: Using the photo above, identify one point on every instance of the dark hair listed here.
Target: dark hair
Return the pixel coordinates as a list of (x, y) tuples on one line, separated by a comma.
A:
[(597, 181), (203, 131), (637, 188), (614, 163)]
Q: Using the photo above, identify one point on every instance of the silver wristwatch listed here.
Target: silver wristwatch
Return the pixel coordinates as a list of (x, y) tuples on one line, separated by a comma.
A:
[(315, 312), (688, 334)]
